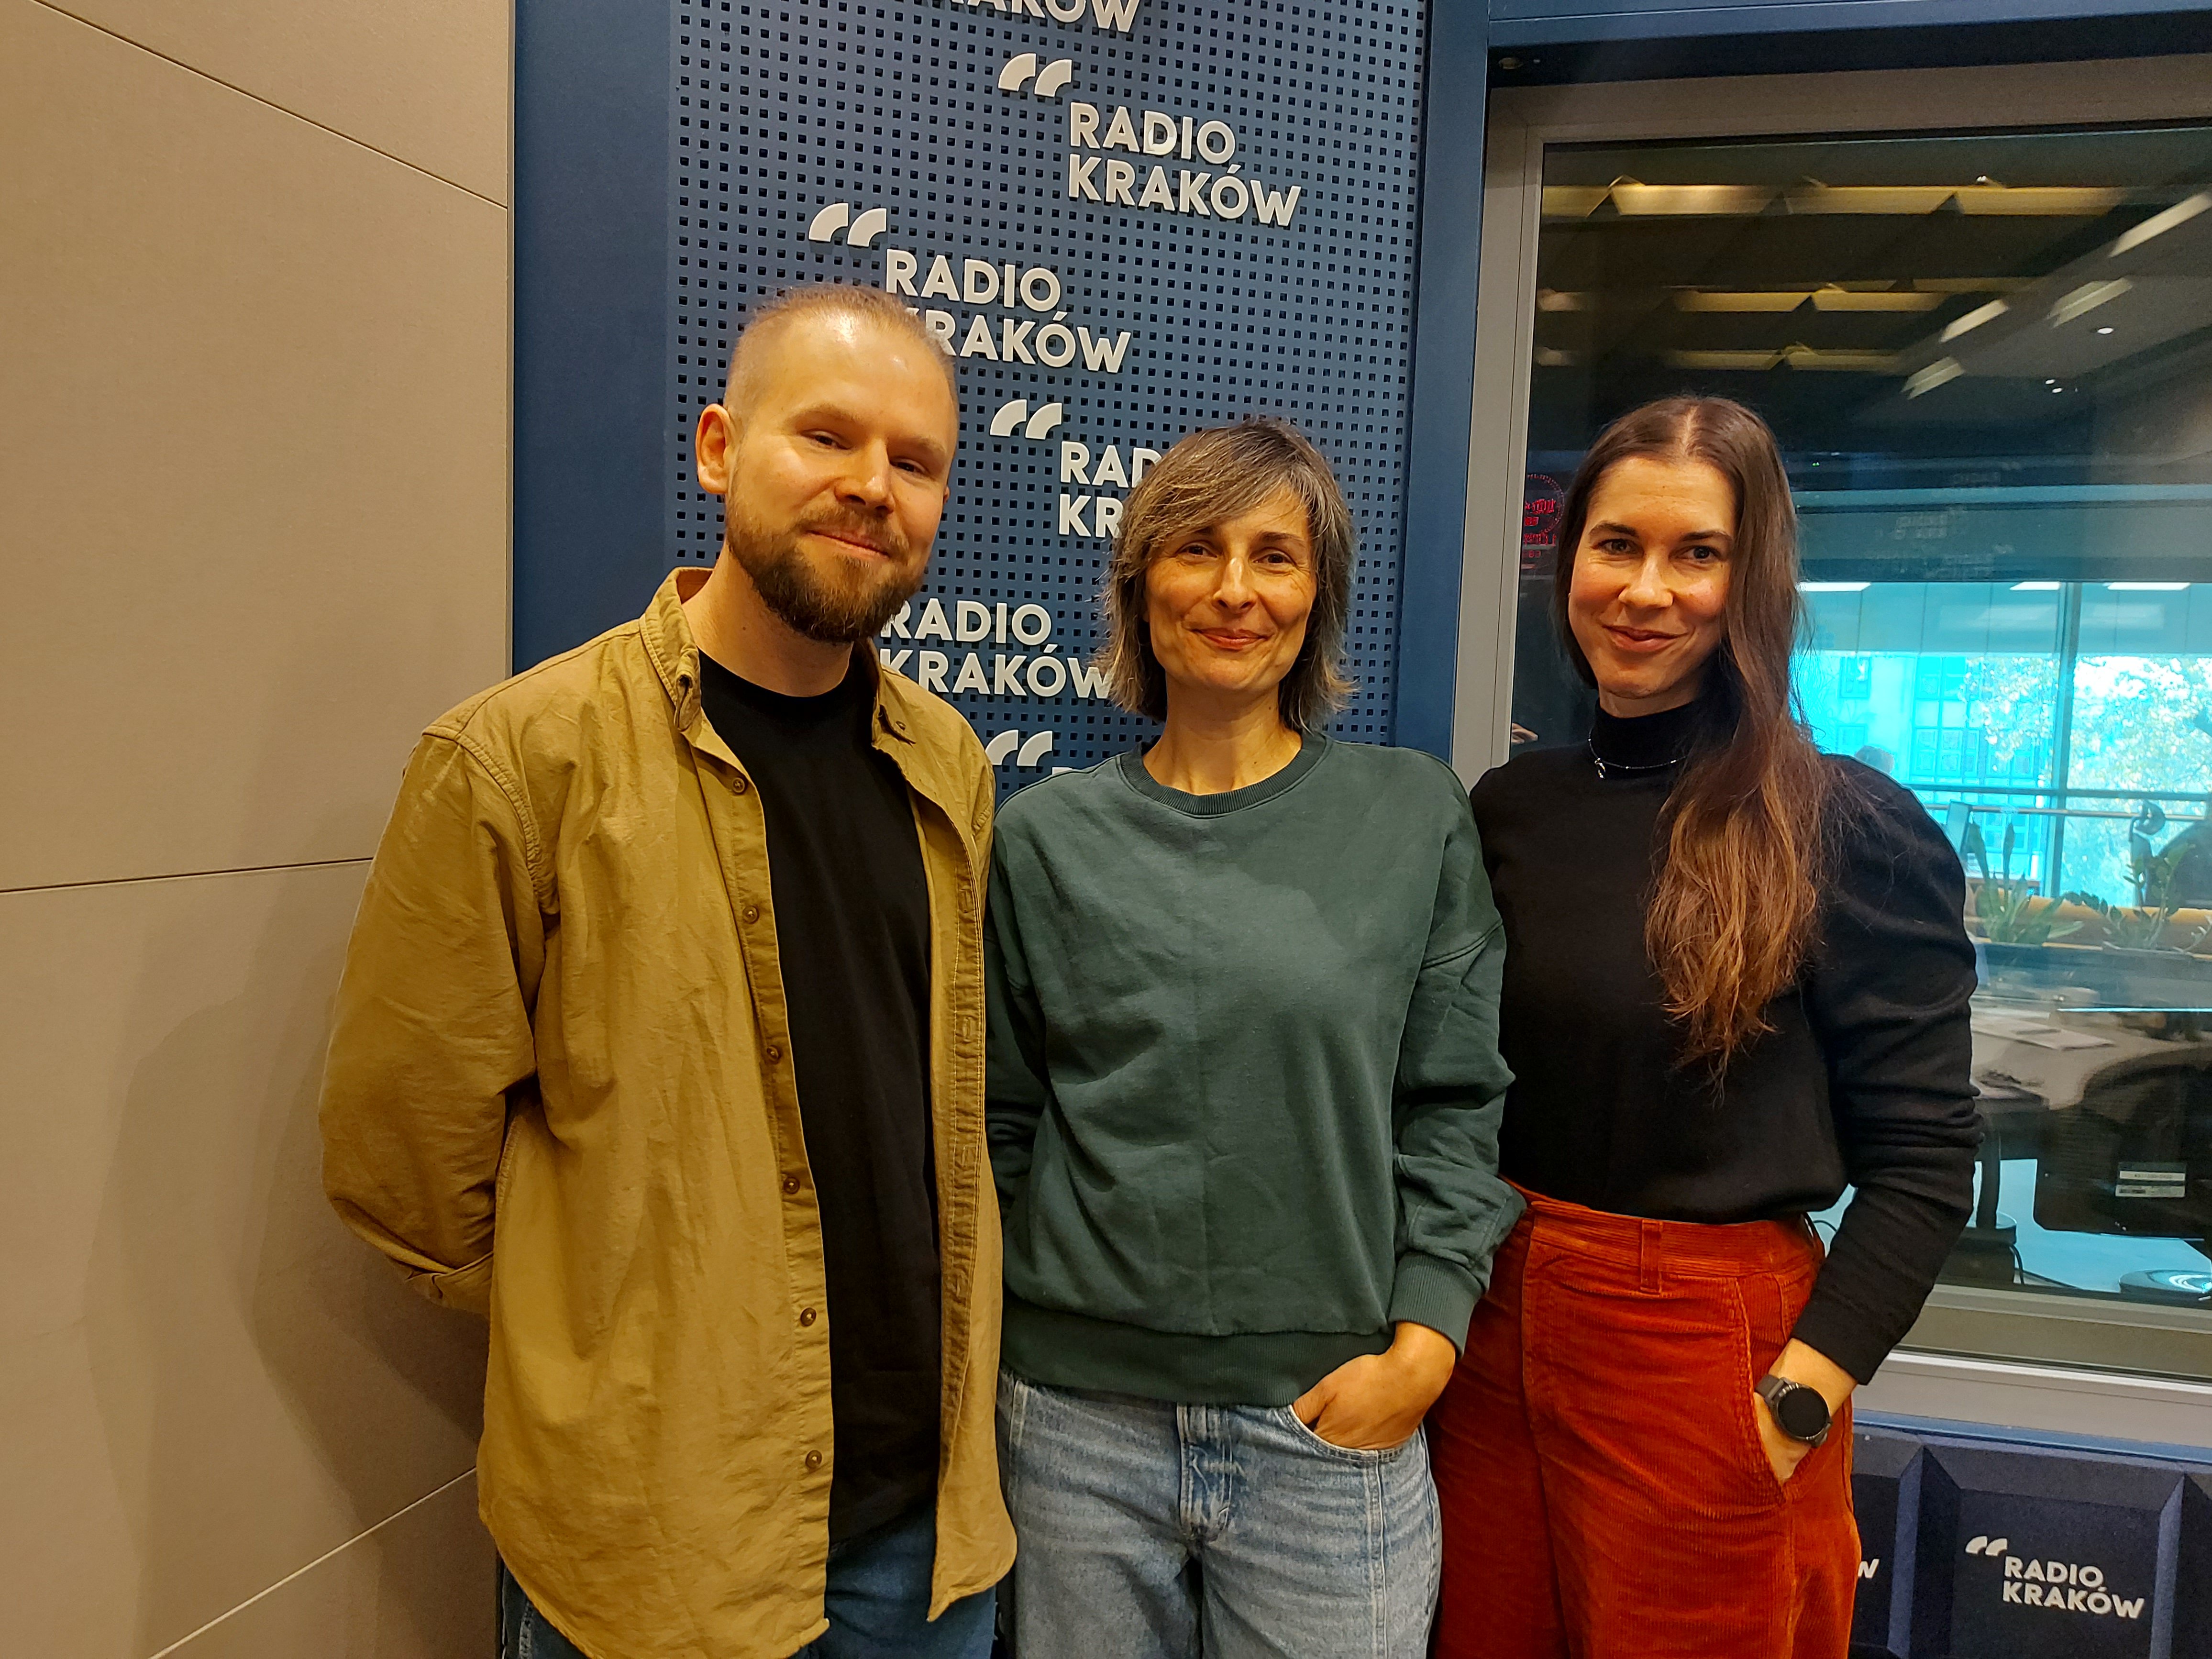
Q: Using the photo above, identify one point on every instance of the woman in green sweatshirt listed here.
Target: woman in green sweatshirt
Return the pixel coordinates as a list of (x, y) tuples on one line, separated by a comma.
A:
[(1243, 1101)]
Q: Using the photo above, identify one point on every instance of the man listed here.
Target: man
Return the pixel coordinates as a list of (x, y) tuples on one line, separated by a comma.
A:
[(661, 1041)]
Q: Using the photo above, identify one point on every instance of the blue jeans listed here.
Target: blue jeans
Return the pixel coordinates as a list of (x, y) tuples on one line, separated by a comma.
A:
[(1156, 1531), (877, 1603)]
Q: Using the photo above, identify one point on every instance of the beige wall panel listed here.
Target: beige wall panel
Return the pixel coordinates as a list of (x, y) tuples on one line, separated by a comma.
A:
[(65, 1544), (419, 1587), (254, 453), (427, 80), (205, 1382)]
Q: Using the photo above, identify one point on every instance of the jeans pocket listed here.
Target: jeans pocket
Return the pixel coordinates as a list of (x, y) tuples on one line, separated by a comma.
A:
[(1014, 1398), (1306, 1432)]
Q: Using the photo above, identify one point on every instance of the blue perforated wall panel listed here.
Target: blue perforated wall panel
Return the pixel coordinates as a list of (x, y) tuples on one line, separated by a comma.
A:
[(1206, 211)]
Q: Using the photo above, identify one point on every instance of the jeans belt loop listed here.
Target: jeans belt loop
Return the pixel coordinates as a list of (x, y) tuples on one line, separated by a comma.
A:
[(1649, 1244)]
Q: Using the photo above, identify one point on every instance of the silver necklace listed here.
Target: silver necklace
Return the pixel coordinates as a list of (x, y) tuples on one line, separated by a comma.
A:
[(1607, 768)]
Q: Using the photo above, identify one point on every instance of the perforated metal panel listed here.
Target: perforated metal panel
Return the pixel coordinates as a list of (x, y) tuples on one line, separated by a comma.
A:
[(925, 122)]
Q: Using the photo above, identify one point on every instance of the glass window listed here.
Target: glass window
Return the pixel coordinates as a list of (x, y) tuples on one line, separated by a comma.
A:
[(1988, 359)]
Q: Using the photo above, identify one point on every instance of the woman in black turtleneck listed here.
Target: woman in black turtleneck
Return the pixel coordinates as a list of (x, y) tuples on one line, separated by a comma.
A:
[(1736, 980)]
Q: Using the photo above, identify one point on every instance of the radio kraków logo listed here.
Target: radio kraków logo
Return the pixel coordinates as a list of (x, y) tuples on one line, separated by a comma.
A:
[(2068, 1586)]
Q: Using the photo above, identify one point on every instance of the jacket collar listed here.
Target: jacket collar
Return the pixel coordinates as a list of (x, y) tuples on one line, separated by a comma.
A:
[(675, 656)]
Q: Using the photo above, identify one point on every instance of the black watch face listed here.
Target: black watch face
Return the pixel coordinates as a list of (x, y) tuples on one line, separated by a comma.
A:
[(1802, 1413)]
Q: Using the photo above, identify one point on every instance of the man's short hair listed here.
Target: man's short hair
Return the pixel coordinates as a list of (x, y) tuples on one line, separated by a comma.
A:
[(1207, 477), (871, 305)]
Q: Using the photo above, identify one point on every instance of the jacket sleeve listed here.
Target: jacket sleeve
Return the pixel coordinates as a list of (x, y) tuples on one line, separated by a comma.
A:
[(432, 1032), (1889, 998), (1016, 1089), (1454, 1208)]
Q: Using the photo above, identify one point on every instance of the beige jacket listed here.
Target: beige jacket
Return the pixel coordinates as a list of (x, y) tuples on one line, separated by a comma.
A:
[(560, 1093)]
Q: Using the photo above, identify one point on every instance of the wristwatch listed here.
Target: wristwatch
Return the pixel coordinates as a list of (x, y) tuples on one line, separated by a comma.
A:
[(1799, 1411)]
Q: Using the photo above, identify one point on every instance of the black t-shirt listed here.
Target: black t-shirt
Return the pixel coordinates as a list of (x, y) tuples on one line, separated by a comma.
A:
[(851, 929), (1864, 1079)]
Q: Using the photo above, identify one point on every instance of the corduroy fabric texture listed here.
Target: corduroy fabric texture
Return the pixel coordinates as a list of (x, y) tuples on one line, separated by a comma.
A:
[(1605, 1494)]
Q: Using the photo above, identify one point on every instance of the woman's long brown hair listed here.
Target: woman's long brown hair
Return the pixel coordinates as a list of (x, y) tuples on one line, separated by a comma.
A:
[(1733, 914)]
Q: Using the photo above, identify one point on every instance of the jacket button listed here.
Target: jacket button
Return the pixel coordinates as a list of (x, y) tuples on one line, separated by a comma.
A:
[(813, 1460), (790, 1184), (807, 1316), (772, 1053), (752, 913), (740, 785)]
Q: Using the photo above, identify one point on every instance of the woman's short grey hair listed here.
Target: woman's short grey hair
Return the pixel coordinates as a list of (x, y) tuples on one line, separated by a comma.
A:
[(1208, 477)]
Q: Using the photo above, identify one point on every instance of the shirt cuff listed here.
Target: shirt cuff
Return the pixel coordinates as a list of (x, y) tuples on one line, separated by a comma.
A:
[(1439, 1294)]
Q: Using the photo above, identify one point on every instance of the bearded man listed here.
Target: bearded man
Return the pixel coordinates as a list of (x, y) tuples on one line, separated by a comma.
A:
[(660, 1041)]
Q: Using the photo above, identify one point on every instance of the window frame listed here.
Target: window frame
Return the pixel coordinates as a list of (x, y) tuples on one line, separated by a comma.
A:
[(2017, 1358)]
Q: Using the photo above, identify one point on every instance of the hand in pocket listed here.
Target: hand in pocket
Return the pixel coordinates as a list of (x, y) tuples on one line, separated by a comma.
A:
[(1377, 1401)]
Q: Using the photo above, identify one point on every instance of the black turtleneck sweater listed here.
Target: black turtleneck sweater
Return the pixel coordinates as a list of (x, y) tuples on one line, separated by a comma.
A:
[(1864, 1079)]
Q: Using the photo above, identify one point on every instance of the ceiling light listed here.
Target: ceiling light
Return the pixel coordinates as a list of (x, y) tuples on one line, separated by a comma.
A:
[(1869, 198), (2036, 587), (1833, 588), (1635, 200), (1851, 362), (1751, 360), (2106, 328), (1974, 319), (2147, 588), (2087, 298), (1980, 198), (1939, 373), (1573, 200), (1691, 299), (2041, 201), (1833, 298), (2158, 223), (1972, 284)]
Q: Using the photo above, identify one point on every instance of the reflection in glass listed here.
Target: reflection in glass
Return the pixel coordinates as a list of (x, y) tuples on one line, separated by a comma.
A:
[(1988, 359)]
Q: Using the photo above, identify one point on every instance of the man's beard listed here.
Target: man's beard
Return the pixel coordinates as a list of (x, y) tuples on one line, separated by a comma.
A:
[(848, 600)]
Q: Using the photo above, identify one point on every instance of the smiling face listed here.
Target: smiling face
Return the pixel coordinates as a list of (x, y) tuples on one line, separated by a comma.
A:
[(1648, 599), (1227, 605), (836, 465)]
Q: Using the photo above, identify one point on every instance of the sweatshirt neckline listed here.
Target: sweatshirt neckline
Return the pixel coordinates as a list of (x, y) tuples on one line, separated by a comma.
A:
[(1311, 748)]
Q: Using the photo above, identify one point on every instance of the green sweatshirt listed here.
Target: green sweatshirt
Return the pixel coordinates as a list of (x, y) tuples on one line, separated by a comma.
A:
[(1244, 1086)]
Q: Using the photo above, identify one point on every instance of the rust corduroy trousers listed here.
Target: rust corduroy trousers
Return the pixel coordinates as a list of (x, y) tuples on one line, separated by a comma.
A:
[(1604, 1492)]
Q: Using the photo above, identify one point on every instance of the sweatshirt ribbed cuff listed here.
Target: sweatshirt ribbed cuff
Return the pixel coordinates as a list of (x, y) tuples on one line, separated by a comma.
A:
[(1430, 1291)]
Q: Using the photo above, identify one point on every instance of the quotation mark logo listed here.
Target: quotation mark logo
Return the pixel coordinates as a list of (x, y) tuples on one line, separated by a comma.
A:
[(1038, 746), (858, 232), (1985, 1545), (1049, 79), (1043, 424)]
